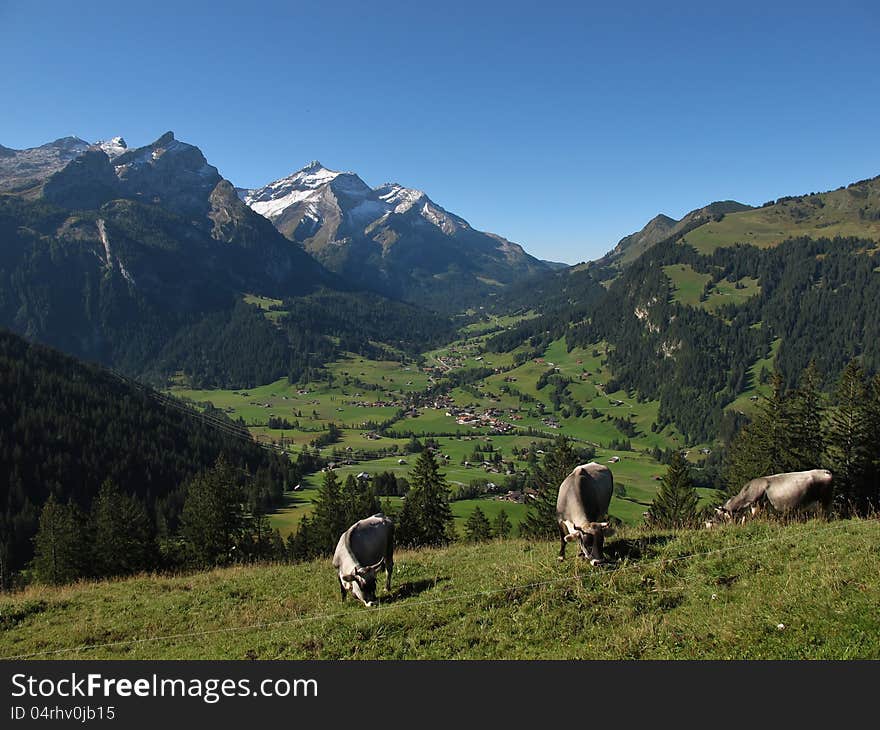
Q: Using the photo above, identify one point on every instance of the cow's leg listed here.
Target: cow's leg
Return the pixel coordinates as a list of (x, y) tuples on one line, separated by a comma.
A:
[(342, 588), (563, 532), (389, 567), (389, 558)]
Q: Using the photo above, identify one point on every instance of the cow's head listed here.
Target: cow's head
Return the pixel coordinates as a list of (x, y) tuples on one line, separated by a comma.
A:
[(720, 516), (362, 582), (591, 539)]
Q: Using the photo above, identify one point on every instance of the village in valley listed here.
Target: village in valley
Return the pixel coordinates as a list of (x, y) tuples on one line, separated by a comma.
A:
[(487, 417)]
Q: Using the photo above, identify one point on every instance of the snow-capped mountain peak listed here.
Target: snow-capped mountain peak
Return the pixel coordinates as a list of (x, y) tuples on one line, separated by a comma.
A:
[(401, 199), (316, 193), (113, 147), (390, 238), (305, 186)]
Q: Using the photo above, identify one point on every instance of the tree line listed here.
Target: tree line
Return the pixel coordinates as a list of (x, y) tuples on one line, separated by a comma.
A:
[(69, 427), (818, 299)]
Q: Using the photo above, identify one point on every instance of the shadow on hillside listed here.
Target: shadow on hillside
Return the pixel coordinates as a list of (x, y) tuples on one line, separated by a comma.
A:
[(411, 588), (633, 549)]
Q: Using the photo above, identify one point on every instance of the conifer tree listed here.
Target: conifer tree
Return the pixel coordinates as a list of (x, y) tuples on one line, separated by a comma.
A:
[(279, 549), (359, 499), (213, 518), (848, 430), (675, 505), (805, 418), (261, 537), (477, 527), (873, 440), (426, 518), (123, 537), (559, 460), (330, 520), (763, 446), (60, 545), (501, 526), (303, 544)]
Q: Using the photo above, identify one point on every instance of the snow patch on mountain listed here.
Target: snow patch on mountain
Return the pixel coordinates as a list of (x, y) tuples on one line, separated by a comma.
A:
[(113, 147), (303, 185)]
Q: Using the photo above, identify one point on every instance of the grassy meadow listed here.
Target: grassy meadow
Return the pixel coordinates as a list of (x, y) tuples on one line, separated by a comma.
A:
[(808, 590), (825, 215)]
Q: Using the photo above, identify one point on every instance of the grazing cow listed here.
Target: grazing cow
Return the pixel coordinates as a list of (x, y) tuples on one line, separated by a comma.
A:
[(583, 500), (362, 550), (783, 493)]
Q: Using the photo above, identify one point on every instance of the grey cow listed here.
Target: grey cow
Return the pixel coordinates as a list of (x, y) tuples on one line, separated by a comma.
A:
[(582, 502), (363, 549), (784, 493)]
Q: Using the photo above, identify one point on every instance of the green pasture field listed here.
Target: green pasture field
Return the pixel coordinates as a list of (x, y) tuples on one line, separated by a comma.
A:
[(744, 402), (311, 408), (762, 230), (806, 590), (690, 284), (266, 304), (825, 215)]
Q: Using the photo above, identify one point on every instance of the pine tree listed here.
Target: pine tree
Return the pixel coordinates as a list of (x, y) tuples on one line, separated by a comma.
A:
[(501, 526), (123, 537), (358, 499), (559, 460), (279, 549), (805, 416), (213, 518), (426, 518), (675, 505), (477, 527), (848, 431), (872, 481), (61, 544), (302, 545), (261, 536), (329, 520), (763, 446)]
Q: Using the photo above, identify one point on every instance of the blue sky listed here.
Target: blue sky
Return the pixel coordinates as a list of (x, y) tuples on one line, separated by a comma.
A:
[(562, 126)]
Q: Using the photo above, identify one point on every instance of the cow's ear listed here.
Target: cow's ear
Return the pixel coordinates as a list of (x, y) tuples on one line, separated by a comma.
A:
[(607, 529), (350, 578), (570, 537)]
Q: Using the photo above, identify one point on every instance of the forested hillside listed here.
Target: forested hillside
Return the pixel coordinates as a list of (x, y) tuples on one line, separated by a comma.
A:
[(688, 319), (69, 427)]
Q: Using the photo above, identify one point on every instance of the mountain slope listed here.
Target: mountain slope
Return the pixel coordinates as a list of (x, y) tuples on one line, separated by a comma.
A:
[(686, 323), (391, 239), (853, 210), (67, 426), (661, 227), (141, 259), (23, 171)]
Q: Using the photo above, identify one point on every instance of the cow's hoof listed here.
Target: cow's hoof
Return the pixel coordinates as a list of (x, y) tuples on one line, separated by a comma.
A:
[(560, 558), (595, 562), (370, 604)]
